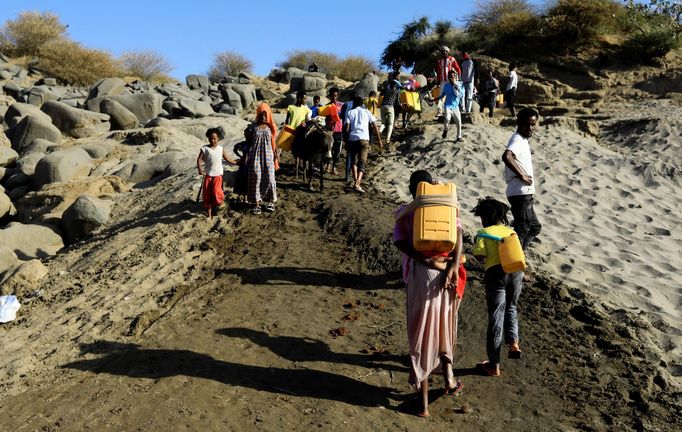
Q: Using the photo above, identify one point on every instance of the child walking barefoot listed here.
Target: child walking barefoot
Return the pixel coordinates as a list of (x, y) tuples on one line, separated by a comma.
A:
[(502, 289), (212, 156)]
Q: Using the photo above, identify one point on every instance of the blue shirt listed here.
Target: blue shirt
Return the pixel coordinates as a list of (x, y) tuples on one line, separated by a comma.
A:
[(453, 94), (344, 109), (314, 109)]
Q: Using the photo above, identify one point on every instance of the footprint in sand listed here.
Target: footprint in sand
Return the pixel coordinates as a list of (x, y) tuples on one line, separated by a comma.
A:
[(566, 268)]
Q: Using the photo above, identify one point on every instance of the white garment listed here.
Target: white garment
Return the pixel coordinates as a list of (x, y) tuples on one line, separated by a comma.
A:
[(359, 120), (467, 101), (453, 114), (512, 81), (213, 160), (515, 186)]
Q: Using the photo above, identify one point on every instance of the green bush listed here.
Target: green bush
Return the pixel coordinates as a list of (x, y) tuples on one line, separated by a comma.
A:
[(501, 24), (228, 63), (646, 46), (579, 22), (75, 64), (26, 35)]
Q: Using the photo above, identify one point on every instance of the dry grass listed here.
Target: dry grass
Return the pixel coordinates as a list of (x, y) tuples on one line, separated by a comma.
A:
[(75, 64), (148, 65), (229, 63), (26, 35)]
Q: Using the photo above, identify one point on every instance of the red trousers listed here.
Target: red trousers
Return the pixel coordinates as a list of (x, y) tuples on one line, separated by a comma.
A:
[(213, 191)]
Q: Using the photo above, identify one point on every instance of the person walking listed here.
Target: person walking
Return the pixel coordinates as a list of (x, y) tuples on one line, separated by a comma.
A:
[(212, 156), (444, 65), (262, 186), (356, 126), (518, 174), (469, 79), (390, 93), (453, 93), (510, 92), (491, 87), (435, 286)]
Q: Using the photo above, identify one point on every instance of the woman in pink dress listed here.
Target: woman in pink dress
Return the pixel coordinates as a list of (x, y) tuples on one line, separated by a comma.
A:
[(435, 286)]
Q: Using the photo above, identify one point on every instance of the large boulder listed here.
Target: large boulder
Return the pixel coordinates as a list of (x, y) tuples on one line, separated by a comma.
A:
[(31, 128), (40, 94), (246, 92), (120, 117), (107, 87), (169, 90), (29, 241), (8, 259), (17, 111), (98, 149), (194, 108), (200, 83), (39, 145), (62, 165), (147, 169), (314, 81), (6, 205), (23, 278), (27, 163), (267, 94), (292, 73), (74, 122), (145, 106), (368, 83), (232, 98), (84, 216), (13, 89), (7, 156)]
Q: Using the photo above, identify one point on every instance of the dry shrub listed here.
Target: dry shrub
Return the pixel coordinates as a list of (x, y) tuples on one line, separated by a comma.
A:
[(326, 62), (354, 67), (148, 65), (497, 23), (76, 64), (580, 22), (26, 35), (228, 63)]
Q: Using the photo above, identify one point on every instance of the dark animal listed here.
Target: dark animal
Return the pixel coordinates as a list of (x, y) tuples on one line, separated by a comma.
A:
[(312, 145)]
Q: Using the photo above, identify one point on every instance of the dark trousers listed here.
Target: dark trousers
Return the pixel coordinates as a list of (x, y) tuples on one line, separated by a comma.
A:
[(502, 292), (511, 97), (336, 147), (526, 223), (488, 101)]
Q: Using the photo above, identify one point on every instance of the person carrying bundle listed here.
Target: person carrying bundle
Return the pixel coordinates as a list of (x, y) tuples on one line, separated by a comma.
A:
[(435, 284)]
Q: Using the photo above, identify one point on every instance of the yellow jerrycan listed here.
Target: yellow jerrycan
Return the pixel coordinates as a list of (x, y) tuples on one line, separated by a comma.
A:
[(512, 257), (435, 226), (286, 138)]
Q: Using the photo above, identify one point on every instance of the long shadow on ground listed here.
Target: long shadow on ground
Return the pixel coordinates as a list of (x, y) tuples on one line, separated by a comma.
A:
[(302, 349), (131, 360), (315, 277)]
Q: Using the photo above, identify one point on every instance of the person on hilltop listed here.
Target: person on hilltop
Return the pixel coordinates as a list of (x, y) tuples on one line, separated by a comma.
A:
[(262, 186), (453, 93), (444, 65), (510, 92), (212, 156), (335, 125), (502, 289), (313, 67), (390, 92), (491, 86), (469, 79), (356, 126), (435, 286), (518, 174)]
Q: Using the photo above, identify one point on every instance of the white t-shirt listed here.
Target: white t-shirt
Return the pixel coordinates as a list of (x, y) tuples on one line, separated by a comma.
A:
[(515, 186), (359, 120), (213, 160), (513, 80)]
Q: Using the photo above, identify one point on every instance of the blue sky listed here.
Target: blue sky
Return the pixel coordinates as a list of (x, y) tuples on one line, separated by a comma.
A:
[(189, 33)]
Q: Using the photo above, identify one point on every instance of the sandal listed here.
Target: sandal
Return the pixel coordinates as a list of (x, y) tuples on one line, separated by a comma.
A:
[(358, 189), (514, 351), (456, 390), (485, 368), (256, 210), (269, 207)]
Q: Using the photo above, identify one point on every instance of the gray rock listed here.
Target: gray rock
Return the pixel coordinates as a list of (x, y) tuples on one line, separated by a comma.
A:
[(8, 258), (19, 192), (120, 117), (27, 164), (368, 83), (29, 241), (247, 75), (225, 108), (155, 122), (4, 75), (22, 74), (23, 278), (84, 216), (73, 102), (17, 111), (39, 95), (107, 87), (7, 156), (313, 82), (50, 81), (291, 73), (31, 128), (5, 208), (176, 90), (99, 149), (232, 98), (246, 92), (194, 108), (198, 82), (75, 122), (18, 179), (147, 169), (62, 165), (41, 146), (145, 106), (265, 94), (170, 106)]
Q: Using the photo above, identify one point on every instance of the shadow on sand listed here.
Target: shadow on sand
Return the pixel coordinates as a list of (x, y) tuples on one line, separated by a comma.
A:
[(315, 277)]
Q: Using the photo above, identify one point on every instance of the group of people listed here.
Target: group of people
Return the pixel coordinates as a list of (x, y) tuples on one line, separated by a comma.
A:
[(435, 284)]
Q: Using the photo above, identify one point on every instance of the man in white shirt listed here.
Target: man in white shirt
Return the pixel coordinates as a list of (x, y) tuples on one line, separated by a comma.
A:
[(519, 177), (512, 83), (356, 129)]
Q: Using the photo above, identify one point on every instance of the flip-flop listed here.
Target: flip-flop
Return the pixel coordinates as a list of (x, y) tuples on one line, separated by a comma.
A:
[(459, 385), (484, 368), (514, 354)]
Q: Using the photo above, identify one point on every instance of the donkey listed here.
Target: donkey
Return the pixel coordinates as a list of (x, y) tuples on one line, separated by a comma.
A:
[(313, 146)]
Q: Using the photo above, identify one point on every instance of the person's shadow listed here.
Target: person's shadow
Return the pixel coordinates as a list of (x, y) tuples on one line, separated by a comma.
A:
[(307, 349), (317, 277), (134, 361)]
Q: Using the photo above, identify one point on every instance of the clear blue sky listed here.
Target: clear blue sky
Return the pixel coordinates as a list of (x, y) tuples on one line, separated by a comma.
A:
[(189, 33)]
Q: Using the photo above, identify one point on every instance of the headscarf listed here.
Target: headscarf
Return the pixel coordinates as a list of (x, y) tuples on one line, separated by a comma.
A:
[(270, 122)]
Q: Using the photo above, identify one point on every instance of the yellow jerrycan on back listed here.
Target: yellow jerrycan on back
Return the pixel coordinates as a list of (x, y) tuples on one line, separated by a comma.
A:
[(435, 226), (511, 254)]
